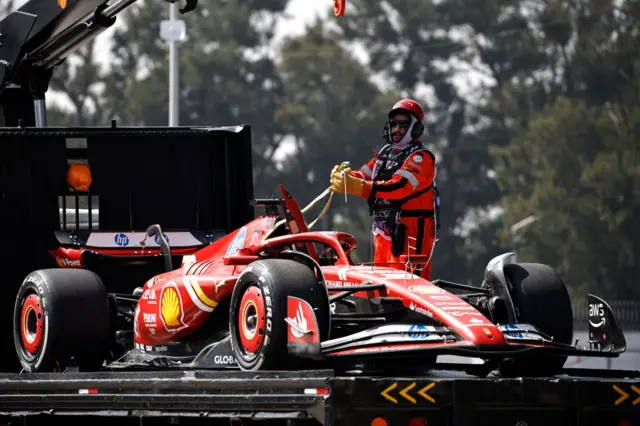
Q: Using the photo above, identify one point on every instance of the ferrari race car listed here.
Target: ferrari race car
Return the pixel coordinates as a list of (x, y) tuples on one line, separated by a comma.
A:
[(273, 295)]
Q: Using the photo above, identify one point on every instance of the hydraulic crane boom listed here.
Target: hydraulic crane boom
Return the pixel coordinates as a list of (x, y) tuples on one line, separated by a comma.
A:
[(42, 33)]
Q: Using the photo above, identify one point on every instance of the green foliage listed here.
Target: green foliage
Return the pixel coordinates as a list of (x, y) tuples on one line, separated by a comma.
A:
[(227, 76), (578, 168), (333, 113)]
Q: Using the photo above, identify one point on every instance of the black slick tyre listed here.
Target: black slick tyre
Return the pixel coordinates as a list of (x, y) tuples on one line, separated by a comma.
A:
[(258, 310), (541, 299), (61, 314)]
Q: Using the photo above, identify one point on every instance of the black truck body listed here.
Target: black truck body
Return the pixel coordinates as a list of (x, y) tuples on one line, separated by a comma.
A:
[(579, 398)]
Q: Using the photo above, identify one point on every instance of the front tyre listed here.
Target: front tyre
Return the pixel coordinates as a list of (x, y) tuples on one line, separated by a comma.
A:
[(61, 314), (541, 299), (259, 332)]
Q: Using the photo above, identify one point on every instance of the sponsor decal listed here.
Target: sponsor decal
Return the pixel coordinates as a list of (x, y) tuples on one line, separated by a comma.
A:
[(332, 283), (342, 274), (477, 321), (121, 240), (399, 276), (425, 289), (458, 303), (461, 314), (149, 319), (439, 297), (269, 308), (67, 263), (596, 315), (156, 280), (418, 332), (224, 359), (171, 308), (387, 348), (299, 323), (302, 321), (149, 348), (156, 239), (238, 241), (417, 158), (512, 331), (149, 295), (458, 308), (420, 310)]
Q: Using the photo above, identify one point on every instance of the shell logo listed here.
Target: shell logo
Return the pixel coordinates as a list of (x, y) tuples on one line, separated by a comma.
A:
[(62, 4), (171, 310)]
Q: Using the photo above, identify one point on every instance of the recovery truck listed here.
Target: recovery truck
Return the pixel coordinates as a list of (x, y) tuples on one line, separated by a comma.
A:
[(35, 222)]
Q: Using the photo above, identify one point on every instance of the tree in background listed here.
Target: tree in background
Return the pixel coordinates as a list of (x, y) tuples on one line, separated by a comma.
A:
[(581, 178), (332, 113), (78, 81), (575, 163)]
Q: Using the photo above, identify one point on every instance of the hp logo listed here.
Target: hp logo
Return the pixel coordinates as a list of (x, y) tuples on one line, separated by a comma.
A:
[(157, 238), (122, 240), (418, 332)]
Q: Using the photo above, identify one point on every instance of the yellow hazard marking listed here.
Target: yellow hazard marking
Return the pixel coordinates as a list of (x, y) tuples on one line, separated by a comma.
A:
[(406, 395), (385, 393), (423, 392), (621, 392), (636, 390)]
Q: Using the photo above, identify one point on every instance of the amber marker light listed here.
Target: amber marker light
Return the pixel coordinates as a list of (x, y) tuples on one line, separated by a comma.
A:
[(79, 177)]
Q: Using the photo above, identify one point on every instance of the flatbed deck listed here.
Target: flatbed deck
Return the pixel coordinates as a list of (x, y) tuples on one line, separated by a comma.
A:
[(321, 398)]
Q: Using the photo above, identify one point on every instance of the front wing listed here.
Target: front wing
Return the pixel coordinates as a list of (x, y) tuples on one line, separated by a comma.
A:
[(404, 339), (408, 340)]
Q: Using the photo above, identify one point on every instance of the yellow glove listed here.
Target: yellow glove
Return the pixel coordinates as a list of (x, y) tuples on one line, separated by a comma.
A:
[(345, 165), (342, 182)]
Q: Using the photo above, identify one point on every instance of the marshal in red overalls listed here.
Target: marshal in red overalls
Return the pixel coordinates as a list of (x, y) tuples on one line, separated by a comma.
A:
[(399, 185)]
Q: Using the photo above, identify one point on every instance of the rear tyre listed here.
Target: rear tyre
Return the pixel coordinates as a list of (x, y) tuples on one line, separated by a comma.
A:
[(259, 333), (541, 299), (61, 314)]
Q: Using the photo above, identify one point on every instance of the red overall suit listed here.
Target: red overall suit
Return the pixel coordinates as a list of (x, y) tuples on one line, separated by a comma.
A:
[(399, 185)]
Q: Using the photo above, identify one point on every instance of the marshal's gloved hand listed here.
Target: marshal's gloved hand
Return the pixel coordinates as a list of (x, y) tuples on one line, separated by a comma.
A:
[(344, 166), (342, 182)]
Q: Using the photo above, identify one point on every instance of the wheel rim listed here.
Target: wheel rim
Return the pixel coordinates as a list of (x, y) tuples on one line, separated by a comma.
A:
[(31, 324), (251, 321)]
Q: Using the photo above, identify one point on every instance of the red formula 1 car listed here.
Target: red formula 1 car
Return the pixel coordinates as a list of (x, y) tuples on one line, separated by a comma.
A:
[(273, 295)]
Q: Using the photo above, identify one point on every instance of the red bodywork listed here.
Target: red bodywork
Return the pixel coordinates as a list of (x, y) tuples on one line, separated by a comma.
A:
[(176, 303)]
